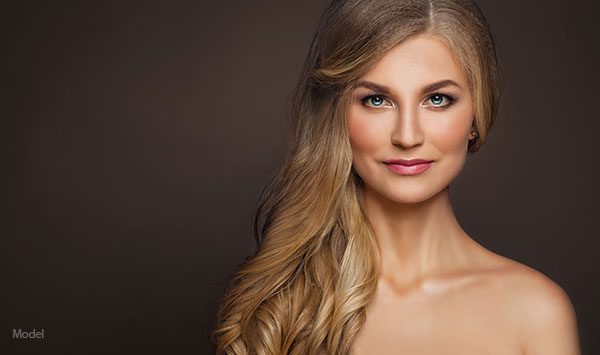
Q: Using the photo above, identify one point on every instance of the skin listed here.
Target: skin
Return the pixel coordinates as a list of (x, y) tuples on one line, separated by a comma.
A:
[(439, 291)]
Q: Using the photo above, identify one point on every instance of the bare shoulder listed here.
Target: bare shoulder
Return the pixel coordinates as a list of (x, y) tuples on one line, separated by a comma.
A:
[(545, 311), (540, 308)]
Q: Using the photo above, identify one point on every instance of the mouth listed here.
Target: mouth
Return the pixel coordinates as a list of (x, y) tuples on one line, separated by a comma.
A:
[(408, 166)]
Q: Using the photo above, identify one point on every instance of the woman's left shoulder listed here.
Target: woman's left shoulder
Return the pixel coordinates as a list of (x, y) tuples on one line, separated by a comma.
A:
[(539, 306), (531, 289)]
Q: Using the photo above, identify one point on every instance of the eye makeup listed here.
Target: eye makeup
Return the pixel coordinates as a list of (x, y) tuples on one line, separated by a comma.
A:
[(438, 95), (376, 100)]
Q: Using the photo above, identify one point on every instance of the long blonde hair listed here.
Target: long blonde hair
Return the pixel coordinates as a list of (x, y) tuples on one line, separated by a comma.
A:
[(305, 289)]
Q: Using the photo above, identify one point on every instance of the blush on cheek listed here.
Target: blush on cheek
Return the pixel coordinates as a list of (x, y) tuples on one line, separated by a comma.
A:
[(365, 136), (450, 139), (453, 134)]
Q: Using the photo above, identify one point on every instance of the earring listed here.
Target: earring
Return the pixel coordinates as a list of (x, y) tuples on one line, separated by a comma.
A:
[(474, 134)]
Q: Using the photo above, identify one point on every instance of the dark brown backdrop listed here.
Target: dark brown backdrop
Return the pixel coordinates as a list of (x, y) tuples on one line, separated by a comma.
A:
[(136, 137)]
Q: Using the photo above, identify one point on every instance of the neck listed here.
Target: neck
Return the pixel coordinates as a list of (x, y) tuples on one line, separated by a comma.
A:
[(416, 241)]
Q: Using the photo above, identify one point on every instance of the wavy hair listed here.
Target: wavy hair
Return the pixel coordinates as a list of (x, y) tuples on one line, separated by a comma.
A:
[(305, 289)]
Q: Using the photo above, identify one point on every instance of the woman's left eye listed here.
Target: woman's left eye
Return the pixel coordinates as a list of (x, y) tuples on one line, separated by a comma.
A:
[(438, 100)]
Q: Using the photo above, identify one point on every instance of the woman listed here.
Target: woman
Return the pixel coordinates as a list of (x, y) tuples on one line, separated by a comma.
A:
[(359, 249)]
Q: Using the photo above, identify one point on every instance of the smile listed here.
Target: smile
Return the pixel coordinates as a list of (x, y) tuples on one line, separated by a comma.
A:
[(409, 169)]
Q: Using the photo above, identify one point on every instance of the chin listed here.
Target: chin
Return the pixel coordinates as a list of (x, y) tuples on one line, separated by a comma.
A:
[(408, 194), (411, 198)]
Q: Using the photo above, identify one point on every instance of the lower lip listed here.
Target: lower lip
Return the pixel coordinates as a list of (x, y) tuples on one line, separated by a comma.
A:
[(409, 169)]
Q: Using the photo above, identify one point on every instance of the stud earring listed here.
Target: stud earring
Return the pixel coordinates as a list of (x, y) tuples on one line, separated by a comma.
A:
[(473, 135)]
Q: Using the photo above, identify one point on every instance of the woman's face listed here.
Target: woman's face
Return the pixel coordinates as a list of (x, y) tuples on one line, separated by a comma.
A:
[(413, 104)]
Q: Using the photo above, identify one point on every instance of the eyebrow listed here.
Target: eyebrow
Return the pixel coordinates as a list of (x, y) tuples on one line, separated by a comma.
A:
[(386, 90)]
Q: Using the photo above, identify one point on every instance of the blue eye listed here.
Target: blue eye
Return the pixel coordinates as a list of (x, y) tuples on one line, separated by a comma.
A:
[(438, 99), (374, 100)]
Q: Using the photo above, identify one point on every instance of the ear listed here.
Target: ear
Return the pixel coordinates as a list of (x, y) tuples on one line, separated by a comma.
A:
[(473, 134)]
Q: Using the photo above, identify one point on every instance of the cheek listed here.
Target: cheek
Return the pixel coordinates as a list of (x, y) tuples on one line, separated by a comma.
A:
[(366, 135), (452, 134)]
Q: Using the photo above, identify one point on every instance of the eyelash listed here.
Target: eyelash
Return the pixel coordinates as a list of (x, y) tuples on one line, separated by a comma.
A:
[(450, 99)]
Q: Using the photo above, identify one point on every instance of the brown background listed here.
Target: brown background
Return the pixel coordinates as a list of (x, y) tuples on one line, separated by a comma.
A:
[(136, 137)]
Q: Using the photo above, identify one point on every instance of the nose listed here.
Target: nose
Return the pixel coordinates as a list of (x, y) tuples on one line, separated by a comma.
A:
[(407, 131)]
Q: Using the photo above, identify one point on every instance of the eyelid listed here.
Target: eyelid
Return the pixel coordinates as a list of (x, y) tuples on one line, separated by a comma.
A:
[(451, 99), (364, 98)]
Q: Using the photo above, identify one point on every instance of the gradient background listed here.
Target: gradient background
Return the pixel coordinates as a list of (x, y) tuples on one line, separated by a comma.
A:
[(136, 138)]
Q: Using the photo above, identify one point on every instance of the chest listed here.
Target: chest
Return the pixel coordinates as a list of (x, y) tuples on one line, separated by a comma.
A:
[(444, 324)]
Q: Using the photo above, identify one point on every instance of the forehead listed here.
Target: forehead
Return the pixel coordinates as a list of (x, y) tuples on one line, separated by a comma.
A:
[(416, 62)]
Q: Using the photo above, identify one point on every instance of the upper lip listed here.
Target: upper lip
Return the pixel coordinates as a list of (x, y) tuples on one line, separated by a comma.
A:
[(407, 161)]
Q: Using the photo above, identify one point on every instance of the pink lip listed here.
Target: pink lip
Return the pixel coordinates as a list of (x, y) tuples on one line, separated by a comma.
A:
[(407, 161), (411, 168)]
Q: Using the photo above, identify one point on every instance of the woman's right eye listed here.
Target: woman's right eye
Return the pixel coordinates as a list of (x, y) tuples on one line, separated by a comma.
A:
[(374, 100)]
